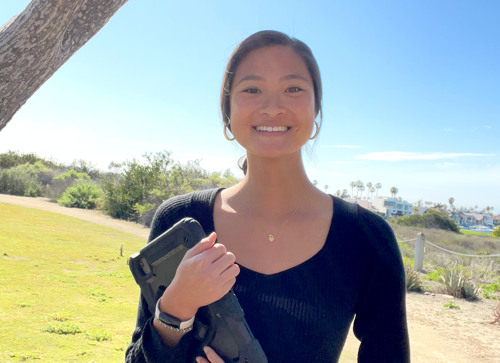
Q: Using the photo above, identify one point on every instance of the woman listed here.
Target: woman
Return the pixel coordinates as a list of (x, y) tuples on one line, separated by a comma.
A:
[(302, 263)]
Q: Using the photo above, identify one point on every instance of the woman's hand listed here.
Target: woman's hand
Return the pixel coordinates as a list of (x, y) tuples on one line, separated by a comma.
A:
[(211, 355), (206, 273)]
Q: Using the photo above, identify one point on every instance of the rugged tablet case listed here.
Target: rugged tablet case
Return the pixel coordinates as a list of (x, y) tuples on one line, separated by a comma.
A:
[(220, 325)]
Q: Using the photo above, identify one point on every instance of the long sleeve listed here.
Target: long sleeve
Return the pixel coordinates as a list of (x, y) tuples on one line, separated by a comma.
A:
[(147, 345), (380, 322)]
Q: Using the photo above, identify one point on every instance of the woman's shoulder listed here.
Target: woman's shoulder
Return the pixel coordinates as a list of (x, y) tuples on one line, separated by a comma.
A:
[(365, 225), (180, 206)]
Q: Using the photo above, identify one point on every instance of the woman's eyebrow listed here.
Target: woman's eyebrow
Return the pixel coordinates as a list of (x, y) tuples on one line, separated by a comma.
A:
[(253, 77), (250, 77), (294, 76)]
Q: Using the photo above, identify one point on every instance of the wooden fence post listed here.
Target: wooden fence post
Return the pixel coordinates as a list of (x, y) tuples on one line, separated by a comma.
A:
[(419, 252)]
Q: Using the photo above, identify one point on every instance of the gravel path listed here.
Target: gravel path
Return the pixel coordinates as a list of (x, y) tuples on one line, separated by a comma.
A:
[(437, 335)]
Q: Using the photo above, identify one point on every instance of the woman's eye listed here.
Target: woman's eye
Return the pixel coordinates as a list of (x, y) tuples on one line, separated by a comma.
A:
[(293, 89), (251, 90)]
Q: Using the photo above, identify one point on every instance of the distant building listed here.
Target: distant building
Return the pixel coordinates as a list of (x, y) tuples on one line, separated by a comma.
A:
[(364, 203), (496, 221), (392, 207), (473, 219)]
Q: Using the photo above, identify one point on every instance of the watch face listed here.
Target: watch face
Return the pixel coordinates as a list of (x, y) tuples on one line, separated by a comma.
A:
[(170, 320)]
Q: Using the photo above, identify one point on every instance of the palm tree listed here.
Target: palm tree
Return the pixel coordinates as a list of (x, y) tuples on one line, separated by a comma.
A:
[(352, 185), (369, 185), (394, 191), (451, 201), (315, 182), (359, 185), (372, 190), (344, 194), (362, 190), (378, 186), (337, 193), (326, 187)]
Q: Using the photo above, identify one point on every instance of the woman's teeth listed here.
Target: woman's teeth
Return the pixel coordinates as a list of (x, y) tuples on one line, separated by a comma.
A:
[(271, 129)]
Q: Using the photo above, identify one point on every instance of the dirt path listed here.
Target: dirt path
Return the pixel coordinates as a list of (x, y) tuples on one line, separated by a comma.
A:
[(437, 334)]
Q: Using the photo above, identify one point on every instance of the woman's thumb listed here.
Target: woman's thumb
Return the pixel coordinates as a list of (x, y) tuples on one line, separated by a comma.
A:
[(203, 245)]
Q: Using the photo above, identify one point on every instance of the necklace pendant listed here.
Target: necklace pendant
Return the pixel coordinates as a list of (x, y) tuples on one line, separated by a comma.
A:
[(271, 238)]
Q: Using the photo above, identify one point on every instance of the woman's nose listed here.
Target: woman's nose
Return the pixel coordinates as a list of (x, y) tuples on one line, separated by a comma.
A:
[(272, 105)]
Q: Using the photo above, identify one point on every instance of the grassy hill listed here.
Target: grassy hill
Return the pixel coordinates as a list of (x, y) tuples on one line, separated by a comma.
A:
[(67, 295)]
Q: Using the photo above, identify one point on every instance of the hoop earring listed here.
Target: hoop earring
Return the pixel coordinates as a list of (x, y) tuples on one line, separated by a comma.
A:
[(225, 133), (317, 131)]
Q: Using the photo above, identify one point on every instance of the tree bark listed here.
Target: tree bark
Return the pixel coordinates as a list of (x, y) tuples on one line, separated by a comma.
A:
[(37, 42)]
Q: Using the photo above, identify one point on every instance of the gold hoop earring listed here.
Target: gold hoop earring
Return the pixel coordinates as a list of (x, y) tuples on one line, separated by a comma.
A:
[(225, 133), (317, 131)]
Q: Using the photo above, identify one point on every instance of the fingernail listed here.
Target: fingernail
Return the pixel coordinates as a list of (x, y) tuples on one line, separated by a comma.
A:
[(205, 349)]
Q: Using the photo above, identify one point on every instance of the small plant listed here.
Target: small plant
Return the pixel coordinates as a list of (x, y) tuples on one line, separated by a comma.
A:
[(96, 293), (61, 316), (451, 305), (413, 282), (434, 275), (408, 261), (489, 289), (24, 305), (63, 329), (458, 283), (98, 335)]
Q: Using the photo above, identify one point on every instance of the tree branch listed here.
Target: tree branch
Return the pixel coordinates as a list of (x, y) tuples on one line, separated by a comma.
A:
[(37, 42)]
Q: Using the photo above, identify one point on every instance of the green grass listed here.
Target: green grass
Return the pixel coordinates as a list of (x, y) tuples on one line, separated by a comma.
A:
[(466, 231), (66, 295)]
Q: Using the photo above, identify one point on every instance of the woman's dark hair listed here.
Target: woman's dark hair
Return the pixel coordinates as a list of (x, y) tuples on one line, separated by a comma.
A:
[(267, 38)]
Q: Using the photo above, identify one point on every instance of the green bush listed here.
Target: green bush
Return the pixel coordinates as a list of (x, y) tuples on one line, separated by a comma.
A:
[(72, 174), (135, 189), (11, 159), (496, 232), (18, 181), (85, 195), (431, 219)]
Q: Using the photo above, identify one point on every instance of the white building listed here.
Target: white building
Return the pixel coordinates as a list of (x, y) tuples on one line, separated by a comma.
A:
[(392, 207)]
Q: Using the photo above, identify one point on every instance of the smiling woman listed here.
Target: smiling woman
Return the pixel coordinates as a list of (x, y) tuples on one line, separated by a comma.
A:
[(302, 263)]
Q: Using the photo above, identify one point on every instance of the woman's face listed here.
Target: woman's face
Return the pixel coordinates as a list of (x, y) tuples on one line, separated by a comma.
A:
[(272, 102)]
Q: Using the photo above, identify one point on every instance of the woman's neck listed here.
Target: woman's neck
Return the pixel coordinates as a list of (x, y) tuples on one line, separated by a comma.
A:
[(274, 187)]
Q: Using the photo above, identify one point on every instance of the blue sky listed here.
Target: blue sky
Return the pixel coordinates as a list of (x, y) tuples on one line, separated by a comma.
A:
[(411, 91)]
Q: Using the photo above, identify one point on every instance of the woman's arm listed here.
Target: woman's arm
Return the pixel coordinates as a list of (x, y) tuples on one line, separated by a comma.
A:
[(380, 322)]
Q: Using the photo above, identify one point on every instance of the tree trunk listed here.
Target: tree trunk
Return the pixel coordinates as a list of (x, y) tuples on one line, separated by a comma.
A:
[(37, 42)]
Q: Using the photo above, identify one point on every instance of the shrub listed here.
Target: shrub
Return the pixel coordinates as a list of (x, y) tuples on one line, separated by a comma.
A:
[(11, 159), (413, 282), (85, 195), (86, 167), (72, 174), (17, 181), (431, 219), (496, 232)]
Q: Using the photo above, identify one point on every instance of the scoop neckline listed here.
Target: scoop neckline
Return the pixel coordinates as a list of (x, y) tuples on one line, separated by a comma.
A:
[(288, 270)]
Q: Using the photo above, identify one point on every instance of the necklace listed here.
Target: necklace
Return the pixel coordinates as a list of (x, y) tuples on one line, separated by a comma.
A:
[(271, 237)]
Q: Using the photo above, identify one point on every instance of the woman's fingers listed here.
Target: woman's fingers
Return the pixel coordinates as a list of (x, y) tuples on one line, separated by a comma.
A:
[(211, 355), (223, 263)]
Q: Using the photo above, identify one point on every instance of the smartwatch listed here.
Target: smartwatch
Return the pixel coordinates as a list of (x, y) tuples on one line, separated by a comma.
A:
[(171, 322)]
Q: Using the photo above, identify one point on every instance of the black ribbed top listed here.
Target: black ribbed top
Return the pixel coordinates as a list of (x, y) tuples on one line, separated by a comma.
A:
[(303, 314)]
